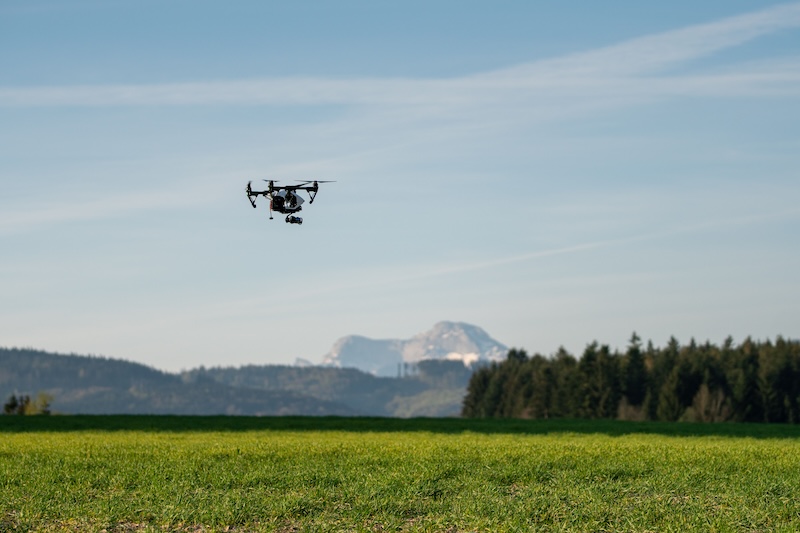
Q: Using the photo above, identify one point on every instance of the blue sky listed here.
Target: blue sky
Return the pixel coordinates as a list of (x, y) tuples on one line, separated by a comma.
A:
[(554, 172)]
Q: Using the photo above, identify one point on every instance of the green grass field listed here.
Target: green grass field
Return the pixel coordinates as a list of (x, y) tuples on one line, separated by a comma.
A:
[(338, 474)]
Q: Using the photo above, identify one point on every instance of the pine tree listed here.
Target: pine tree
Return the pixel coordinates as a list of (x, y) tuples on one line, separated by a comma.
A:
[(635, 372), (10, 407), (539, 403), (476, 390)]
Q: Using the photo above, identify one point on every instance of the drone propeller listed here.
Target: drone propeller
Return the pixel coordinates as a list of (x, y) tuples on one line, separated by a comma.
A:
[(314, 188), (250, 194)]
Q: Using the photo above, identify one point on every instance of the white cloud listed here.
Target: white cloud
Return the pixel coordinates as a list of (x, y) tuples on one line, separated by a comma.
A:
[(24, 218), (656, 52), (601, 73)]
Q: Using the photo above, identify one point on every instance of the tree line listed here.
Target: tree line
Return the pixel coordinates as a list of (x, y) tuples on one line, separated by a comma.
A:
[(25, 405), (754, 381)]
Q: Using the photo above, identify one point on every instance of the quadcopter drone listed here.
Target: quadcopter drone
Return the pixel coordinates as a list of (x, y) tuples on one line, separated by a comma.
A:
[(285, 198)]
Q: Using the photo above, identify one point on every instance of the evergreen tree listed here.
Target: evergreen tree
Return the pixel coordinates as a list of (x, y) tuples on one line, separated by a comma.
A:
[(10, 407), (743, 376), (590, 387), (660, 362), (600, 390), (669, 407), (472, 406), (779, 373), (519, 356), (635, 372), (539, 403), (493, 398), (566, 397), (21, 405), (609, 382)]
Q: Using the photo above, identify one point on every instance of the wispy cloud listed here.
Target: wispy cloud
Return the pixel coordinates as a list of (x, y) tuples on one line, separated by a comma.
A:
[(657, 52), (411, 273), (25, 218), (628, 66), (388, 112)]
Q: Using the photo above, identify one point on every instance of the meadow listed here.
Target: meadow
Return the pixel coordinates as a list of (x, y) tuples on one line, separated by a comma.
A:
[(132, 473)]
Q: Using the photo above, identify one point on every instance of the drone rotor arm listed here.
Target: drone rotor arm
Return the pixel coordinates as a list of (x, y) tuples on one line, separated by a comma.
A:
[(314, 189), (250, 194)]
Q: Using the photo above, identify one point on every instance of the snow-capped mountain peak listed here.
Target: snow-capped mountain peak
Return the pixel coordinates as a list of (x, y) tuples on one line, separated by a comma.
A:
[(446, 340)]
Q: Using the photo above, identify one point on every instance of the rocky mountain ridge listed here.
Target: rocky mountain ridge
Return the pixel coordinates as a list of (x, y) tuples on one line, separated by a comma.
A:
[(454, 341)]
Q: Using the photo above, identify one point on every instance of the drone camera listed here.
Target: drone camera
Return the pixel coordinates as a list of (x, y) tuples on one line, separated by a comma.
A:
[(285, 198)]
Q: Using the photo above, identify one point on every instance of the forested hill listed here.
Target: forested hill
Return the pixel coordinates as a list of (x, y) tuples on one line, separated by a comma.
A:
[(98, 385), (432, 387), (753, 381), (28, 369)]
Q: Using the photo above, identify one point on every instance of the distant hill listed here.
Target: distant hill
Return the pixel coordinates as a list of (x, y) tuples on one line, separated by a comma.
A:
[(99, 385), (432, 387), (454, 341)]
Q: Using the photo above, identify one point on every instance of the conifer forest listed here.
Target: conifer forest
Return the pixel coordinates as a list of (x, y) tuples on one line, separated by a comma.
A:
[(754, 381)]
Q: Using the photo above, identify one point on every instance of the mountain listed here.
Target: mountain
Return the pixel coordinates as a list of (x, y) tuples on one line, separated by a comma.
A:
[(378, 357), (455, 341)]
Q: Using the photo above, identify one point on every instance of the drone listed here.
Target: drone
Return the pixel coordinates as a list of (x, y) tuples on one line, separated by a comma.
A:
[(285, 198)]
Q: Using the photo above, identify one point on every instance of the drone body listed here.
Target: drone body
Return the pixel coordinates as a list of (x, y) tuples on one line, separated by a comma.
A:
[(285, 199)]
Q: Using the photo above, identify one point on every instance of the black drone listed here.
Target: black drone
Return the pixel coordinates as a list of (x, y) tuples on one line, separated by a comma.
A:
[(285, 198)]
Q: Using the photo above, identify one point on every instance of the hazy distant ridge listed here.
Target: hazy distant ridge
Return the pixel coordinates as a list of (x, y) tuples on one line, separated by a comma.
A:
[(98, 385), (455, 341)]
